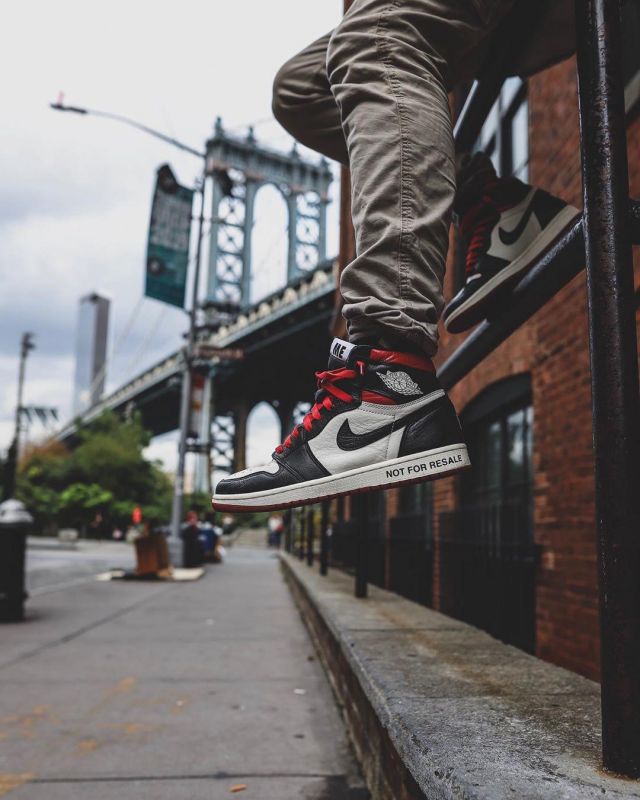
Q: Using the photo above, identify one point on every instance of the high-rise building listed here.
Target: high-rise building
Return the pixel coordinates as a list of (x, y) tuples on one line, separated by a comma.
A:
[(91, 350)]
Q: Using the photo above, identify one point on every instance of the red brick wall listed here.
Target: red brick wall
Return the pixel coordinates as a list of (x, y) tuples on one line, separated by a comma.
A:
[(553, 348)]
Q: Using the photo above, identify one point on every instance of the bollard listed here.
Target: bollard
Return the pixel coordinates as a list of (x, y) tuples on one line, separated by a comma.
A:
[(192, 550), (15, 523)]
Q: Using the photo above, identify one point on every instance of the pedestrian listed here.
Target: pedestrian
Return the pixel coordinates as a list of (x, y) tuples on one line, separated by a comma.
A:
[(374, 95)]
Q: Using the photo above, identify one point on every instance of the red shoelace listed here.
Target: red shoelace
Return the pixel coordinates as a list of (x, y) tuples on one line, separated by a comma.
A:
[(478, 223), (327, 387)]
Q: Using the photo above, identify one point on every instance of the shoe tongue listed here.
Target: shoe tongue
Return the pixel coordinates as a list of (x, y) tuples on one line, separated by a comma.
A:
[(345, 354)]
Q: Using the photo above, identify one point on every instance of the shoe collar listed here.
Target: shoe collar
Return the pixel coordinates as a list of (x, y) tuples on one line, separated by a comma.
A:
[(348, 354)]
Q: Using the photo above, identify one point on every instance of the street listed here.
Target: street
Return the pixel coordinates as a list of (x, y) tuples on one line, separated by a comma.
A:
[(182, 691), (51, 566)]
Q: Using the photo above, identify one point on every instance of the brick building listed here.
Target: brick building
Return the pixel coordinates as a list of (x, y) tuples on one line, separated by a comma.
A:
[(511, 545)]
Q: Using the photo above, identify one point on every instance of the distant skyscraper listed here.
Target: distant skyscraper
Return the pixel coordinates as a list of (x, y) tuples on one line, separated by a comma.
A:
[(91, 350)]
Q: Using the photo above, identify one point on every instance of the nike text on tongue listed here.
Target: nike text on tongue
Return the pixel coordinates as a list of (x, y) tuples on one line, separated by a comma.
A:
[(341, 349)]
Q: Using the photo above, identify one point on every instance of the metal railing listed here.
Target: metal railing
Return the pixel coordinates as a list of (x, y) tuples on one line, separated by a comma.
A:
[(411, 557), (488, 569)]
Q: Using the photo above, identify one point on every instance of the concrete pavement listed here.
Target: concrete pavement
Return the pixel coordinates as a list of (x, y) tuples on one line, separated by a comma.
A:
[(53, 565), (149, 690)]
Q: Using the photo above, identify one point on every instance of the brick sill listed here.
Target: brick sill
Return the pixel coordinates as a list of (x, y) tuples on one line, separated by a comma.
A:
[(439, 709)]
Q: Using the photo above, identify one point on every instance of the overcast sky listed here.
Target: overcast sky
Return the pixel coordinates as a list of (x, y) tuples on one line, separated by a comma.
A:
[(75, 192)]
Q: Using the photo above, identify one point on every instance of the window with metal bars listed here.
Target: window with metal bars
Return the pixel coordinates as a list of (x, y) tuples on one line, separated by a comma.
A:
[(505, 134), (499, 431)]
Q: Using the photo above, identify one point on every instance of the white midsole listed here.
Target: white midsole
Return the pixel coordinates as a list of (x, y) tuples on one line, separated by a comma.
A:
[(537, 246), (396, 470)]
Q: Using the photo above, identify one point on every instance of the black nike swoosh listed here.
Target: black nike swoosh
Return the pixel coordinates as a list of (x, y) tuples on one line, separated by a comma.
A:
[(348, 440), (511, 237)]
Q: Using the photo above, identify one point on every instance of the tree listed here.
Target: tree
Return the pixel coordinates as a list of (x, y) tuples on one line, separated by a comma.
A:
[(80, 504), (42, 475), (106, 474)]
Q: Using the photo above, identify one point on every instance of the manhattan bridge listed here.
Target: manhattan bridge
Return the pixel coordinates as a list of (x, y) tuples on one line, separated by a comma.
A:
[(289, 325)]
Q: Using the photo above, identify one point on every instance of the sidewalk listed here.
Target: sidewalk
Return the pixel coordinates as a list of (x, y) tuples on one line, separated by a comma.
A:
[(181, 691), (440, 709)]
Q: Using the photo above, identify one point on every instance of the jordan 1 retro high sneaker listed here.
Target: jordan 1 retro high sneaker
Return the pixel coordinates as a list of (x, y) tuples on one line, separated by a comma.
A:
[(380, 419), (506, 229)]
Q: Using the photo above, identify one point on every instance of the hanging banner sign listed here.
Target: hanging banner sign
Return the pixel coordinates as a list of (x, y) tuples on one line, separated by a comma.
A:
[(169, 235)]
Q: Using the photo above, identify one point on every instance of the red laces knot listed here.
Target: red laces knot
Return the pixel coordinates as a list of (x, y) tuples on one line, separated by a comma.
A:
[(477, 224), (327, 390)]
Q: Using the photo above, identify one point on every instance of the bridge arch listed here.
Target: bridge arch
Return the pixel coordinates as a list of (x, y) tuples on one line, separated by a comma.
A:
[(269, 242), (263, 433), (238, 168)]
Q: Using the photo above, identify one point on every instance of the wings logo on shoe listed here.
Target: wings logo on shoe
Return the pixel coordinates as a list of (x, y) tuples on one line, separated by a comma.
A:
[(400, 382), (346, 439)]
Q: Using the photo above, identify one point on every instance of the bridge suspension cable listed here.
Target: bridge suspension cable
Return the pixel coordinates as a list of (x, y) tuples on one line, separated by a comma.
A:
[(162, 313)]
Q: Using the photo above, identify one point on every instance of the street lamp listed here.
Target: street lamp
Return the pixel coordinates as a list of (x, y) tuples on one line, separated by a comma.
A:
[(60, 106), (185, 399)]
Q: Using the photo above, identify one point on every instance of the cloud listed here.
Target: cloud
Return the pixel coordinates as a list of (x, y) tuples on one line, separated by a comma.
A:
[(75, 193)]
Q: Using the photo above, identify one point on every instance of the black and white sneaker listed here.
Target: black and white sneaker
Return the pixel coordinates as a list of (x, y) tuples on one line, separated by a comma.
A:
[(380, 419), (506, 228)]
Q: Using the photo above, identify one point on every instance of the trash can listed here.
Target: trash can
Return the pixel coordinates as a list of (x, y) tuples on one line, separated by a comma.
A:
[(15, 524), (192, 550)]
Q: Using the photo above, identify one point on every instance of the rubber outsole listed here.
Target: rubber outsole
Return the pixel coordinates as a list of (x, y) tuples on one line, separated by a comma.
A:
[(401, 467), (482, 303)]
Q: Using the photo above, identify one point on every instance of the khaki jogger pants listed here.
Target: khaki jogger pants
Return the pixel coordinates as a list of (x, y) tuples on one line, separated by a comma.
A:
[(373, 94)]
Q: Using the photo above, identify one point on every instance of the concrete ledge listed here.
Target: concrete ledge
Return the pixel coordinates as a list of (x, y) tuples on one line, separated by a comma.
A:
[(439, 709)]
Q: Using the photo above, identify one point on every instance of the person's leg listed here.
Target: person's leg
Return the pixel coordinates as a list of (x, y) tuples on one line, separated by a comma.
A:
[(390, 65), (381, 417), (304, 105)]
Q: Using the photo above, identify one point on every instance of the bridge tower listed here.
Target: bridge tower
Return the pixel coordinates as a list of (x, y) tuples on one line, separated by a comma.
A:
[(239, 167)]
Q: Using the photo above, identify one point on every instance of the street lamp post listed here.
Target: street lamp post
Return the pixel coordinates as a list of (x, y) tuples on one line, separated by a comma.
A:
[(185, 399)]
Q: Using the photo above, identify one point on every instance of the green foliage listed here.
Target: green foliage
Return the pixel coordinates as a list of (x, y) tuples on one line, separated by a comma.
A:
[(80, 502), (43, 475), (106, 474)]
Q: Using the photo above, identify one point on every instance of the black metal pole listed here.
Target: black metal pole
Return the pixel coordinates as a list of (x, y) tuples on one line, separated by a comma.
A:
[(288, 535), (324, 540), (301, 538), (614, 374), (360, 501), (310, 535)]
